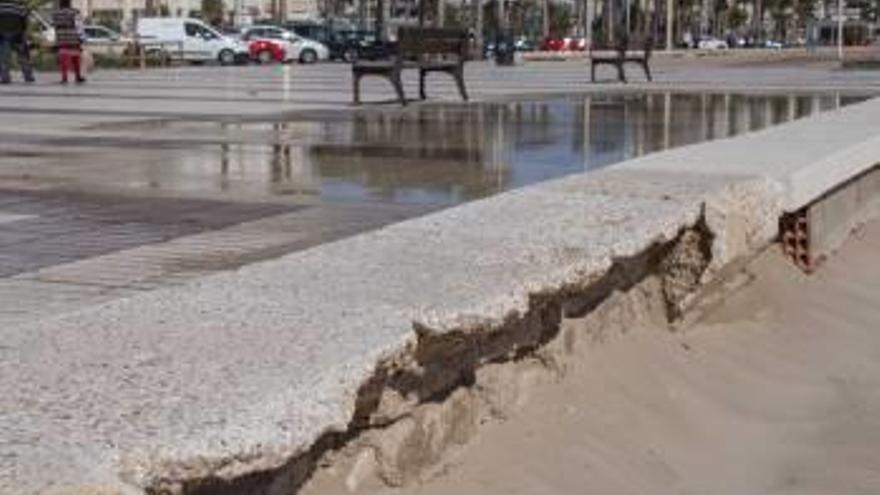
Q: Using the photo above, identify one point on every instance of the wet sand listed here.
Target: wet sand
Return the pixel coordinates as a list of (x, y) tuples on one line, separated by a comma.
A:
[(775, 391)]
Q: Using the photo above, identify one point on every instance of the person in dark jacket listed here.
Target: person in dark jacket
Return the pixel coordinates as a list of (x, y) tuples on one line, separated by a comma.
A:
[(13, 38), (69, 36)]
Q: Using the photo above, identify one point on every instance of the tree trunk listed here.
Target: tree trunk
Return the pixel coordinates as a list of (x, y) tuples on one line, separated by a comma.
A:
[(758, 20), (655, 21), (381, 9), (611, 20), (500, 15), (589, 10), (545, 9), (705, 10), (478, 27)]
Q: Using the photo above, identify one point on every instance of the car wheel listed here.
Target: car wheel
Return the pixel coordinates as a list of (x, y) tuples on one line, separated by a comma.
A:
[(265, 57), (226, 57), (308, 57), (349, 55)]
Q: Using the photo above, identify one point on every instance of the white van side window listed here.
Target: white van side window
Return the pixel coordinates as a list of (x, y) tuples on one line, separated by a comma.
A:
[(194, 30)]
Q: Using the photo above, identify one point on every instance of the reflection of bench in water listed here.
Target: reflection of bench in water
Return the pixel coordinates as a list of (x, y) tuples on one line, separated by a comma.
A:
[(426, 49), (621, 55), (441, 133), (445, 151)]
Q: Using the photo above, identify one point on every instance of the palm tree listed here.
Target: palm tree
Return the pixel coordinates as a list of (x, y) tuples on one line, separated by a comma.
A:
[(758, 20), (545, 18)]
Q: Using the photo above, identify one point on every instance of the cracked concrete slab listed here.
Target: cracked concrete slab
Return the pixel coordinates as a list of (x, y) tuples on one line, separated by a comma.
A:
[(243, 371)]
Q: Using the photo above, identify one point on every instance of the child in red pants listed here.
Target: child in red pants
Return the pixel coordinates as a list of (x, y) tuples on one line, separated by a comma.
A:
[(69, 36)]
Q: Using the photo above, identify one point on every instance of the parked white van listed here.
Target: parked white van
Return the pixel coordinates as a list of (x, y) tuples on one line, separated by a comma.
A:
[(190, 39)]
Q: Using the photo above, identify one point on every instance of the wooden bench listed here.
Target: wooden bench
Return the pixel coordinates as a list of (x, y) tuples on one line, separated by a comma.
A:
[(426, 49), (622, 55)]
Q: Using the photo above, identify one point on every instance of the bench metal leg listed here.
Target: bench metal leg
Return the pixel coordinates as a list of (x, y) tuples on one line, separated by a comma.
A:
[(356, 81), (422, 75), (621, 75), (459, 80), (592, 72), (647, 71), (396, 81)]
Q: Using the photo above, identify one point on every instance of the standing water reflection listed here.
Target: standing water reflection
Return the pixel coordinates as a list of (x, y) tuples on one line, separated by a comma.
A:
[(451, 154)]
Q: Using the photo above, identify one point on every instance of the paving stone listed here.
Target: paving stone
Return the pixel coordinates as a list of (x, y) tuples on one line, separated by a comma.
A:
[(58, 227)]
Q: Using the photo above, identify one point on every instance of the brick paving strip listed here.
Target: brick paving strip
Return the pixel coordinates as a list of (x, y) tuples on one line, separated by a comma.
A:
[(60, 227), (60, 251)]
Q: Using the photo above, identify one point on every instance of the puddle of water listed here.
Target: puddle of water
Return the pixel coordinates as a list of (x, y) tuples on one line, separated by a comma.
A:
[(452, 154)]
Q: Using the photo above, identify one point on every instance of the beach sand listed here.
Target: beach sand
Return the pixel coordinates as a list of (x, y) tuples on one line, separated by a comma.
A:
[(776, 390)]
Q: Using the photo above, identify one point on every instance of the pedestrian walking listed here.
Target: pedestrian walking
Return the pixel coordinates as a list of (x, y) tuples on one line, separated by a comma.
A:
[(69, 35), (13, 38)]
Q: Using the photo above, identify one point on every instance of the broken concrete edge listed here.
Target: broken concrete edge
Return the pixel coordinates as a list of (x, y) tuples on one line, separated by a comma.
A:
[(478, 373), (432, 371), (444, 355), (171, 351)]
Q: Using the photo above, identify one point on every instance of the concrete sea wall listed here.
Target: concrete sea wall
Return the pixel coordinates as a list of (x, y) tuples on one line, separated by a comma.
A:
[(373, 355)]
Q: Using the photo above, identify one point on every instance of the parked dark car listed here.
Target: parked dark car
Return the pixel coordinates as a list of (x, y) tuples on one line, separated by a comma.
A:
[(345, 45), (507, 45)]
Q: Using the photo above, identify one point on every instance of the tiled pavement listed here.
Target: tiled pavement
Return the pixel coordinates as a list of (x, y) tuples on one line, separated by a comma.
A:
[(59, 227), (60, 251)]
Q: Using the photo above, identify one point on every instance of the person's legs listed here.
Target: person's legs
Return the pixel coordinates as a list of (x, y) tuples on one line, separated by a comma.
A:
[(23, 54), (63, 63), (76, 59), (5, 56)]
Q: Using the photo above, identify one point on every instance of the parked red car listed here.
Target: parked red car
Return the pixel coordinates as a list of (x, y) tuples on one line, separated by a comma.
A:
[(267, 51), (555, 44), (576, 44)]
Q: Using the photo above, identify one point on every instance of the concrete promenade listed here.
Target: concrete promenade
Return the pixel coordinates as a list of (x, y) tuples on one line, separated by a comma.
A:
[(159, 138), (190, 386)]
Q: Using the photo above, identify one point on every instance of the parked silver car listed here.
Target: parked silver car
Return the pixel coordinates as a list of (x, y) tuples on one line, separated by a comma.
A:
[(102, 39)]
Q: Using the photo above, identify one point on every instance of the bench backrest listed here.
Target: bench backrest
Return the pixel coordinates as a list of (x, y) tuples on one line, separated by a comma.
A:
[(418, 42), (620, 46), (623, 44)]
